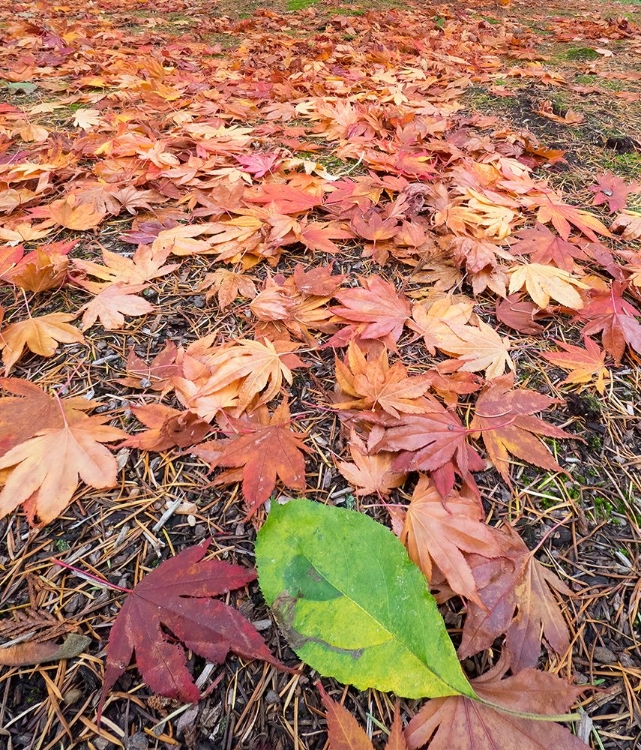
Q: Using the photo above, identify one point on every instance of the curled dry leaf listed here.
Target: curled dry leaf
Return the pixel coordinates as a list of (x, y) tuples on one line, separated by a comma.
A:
[(38, 652)]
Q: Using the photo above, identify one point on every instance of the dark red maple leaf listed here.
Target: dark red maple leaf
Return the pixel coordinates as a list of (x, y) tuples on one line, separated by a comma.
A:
[(176, 598)]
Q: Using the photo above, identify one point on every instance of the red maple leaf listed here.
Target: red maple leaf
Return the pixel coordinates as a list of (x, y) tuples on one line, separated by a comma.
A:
[(176, 598)]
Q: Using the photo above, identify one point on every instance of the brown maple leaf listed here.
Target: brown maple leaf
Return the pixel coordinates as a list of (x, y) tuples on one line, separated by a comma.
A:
[(227, 285), (266, 449), (176, 597), (157, 374), (344, 733), (45, 268), (434, 442), (545, 247), (515, 591), (370, 474), (46, 469), (463, 724), (30, 409), (563, 217), (439, 532), (371, 383), (41, 335), (69, 212), (519, 314), (504, 418), (168, 428)]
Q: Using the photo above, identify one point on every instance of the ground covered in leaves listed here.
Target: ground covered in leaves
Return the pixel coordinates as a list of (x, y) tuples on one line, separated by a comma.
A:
[(397, 246)]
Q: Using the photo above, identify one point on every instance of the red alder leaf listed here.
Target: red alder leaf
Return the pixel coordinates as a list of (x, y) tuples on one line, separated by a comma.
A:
[(176, 598), (458, 723), (266, 449), (344, 732)]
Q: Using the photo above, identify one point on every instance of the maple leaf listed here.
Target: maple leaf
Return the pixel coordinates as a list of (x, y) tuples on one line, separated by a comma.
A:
[(45, 268), (439, 532), (9, 259), (319, 235), (31, 409), (434, 323), (545, 247), (606, 312), (371, 474), (284, 198), (227, 285), (613, 190), (584, 364), (317, 281), (376, 308), (563, 217), (371, 382), (430, 442), (145, 265), (168, 428), (254, 367), (344, 733), (157, 375), (478, 348), (545, 282), (628, 225), (46, 468), (86, 118), (504, 417), (372, 227), (69, 213), (464, 724), (519, 314), (267, 450), (112, 303), (177, 597), (40, 335)]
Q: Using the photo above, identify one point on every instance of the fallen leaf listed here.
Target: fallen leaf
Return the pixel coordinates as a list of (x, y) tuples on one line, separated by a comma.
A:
[(156, 375), (39, 652), (519, 314), (343, 730), (464, 724), (176, 597), (584, 364), (439, 531), (613, 190), (545, 247), (168, 428), (68, 212), (145, 265), (267, 450), (227, 285), (504, 418), (46, 469), (563, 217), (370, 474), (40, 335), (112, 303), (377, 309), (547, 282)]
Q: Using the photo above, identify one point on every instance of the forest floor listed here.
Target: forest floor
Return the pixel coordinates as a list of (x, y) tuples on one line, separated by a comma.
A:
[(578, 92)]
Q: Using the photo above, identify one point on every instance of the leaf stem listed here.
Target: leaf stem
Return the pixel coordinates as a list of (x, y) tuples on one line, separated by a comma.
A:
[(531, 717)]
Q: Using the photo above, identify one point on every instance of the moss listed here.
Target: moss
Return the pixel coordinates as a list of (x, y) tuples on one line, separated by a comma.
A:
[(581, 53), (299, 4)]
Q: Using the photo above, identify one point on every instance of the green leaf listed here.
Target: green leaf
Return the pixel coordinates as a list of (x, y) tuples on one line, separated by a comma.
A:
[(352, 604)]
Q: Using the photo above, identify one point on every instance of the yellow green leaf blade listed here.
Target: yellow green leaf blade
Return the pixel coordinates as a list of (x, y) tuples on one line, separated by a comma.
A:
[(352, 604)]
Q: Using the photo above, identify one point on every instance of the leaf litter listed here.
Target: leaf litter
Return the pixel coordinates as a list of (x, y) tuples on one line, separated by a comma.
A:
[(221, 244)]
